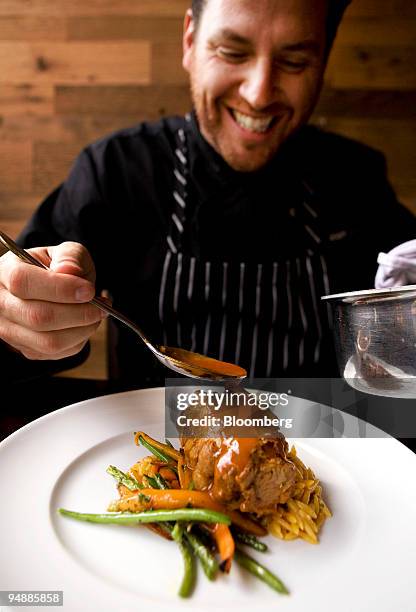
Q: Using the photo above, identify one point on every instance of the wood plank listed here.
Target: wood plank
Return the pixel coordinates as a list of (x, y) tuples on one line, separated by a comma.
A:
[(18, 206), (75, 62), (12, 227), (66, 129), (51, 163), (395, 31), (96, 365), (26, 98), (126, 27), (30, 28), (15, 166), (362, 103), (384, 8), (372, 67), (172, 8), (142, 102), (167, 64)]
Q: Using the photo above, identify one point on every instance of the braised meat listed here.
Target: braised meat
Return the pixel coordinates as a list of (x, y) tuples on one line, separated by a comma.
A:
[(249, 474)]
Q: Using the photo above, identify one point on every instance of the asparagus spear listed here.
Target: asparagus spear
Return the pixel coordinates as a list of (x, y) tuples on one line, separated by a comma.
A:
[(128, 481), (250, 540)]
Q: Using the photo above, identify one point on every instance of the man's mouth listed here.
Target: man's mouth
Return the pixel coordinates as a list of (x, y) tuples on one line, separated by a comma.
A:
[(253, 124)]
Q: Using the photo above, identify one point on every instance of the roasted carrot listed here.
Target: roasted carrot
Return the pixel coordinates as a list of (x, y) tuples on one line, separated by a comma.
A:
[(167, 474), (165, 448), (181, 498), (225, 544)]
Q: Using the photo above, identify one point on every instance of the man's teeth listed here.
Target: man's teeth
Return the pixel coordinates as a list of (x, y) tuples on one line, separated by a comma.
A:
[(252, 124)]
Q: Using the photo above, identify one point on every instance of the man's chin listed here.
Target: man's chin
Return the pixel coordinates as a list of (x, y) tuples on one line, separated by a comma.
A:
[(248, 161)]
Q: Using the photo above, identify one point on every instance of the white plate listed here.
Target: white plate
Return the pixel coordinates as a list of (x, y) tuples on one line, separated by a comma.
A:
[(365, 560)]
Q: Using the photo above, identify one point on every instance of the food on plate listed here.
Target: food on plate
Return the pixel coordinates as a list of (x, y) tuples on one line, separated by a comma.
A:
[(248, 474), (215, 495)]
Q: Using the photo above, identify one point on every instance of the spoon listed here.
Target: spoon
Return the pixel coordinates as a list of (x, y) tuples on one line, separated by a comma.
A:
[(180, 360)]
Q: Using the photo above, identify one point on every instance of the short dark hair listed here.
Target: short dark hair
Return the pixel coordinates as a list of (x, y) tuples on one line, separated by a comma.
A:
[(336, 10)]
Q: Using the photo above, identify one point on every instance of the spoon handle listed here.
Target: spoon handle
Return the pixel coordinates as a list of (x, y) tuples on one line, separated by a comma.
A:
[(100, 303), (97, 301)]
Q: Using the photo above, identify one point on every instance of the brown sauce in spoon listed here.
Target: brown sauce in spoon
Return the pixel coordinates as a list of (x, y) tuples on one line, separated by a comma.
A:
[(197, 361)]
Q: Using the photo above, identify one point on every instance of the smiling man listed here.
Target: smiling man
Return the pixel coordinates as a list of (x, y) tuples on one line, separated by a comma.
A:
[(256, 70), (219, 231)]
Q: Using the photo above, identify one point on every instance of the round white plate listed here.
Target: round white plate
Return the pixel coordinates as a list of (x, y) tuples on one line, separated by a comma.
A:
[(365, 560)]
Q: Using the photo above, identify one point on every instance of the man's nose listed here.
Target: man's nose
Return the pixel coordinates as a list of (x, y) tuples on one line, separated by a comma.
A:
[(260, 85)]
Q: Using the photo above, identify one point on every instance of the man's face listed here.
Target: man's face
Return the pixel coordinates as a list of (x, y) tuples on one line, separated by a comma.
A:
[(256, 69)]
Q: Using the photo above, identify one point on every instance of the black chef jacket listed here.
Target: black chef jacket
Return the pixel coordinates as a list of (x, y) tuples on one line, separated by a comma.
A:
[(118, 202)]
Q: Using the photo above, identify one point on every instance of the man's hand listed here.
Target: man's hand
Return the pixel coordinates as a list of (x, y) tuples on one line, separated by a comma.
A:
[(45, 314)]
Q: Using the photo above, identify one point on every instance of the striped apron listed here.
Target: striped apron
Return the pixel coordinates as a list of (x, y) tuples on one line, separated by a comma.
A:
[(265, 316)]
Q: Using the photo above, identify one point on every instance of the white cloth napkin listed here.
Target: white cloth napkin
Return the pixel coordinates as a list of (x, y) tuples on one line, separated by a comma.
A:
[(397, 267)]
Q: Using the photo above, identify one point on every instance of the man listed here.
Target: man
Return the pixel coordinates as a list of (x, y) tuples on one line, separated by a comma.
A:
[(218, 232)]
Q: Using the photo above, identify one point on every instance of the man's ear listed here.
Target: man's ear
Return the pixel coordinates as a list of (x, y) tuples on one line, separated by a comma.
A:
[(188, 40)]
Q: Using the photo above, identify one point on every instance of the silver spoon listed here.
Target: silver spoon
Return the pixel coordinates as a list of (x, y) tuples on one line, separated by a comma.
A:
[(177, 359)]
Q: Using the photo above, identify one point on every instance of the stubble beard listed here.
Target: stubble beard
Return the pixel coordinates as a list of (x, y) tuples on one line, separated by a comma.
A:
[(210, 126)]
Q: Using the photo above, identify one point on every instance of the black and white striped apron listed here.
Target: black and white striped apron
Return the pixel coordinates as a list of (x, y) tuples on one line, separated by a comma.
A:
[(266, 316)]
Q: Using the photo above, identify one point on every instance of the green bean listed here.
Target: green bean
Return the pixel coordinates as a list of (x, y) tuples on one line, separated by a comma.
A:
[(150, 516), (177, 531), (208, 561), (250, 540), (128, 481), (189, 573), (260, 571)]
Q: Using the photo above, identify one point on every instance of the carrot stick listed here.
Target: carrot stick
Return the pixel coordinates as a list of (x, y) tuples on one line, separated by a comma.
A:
[(165, 448), (167, 474), (181, 498), (225, 544)]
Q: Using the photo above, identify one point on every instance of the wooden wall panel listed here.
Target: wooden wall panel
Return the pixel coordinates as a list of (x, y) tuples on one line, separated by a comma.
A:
[(396, 31), (26, 100), (141, 102), (126, 27), (159, 8), (372, 67), (76, 62), (15, 167), (72, 71), (382, 8), (30, 28), (166, 64)]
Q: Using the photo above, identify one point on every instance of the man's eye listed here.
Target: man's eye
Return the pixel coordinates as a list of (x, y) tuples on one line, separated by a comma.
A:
[(230, 55), (294, 66)]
